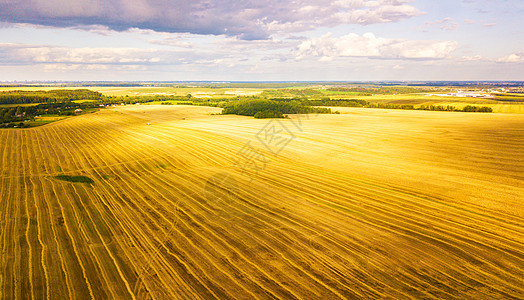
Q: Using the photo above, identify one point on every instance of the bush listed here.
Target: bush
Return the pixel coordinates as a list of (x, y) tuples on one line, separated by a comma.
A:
[(485, 109), (339, 103), (471, 108)]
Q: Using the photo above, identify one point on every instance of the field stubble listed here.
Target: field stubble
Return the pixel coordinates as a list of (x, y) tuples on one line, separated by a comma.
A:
[(366, 204)]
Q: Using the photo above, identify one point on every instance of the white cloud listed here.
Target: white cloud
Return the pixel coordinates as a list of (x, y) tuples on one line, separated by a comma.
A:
[(235, 45), (512, 58), (173, 42), (472, 58), (62, 57), (379, 14), (368, 45), (91, 67), (445, 24), (223, 51), (74, 67), (90, 55), (450, 26)]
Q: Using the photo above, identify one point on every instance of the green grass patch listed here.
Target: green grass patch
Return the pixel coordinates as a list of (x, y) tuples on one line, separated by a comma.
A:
[(38, 123), (75, 179)]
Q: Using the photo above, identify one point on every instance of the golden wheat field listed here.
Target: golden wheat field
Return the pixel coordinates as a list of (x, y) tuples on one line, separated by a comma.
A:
[(188, 205)]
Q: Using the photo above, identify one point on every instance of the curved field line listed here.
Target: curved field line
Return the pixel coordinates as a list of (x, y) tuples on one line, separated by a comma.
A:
[(307, 226)]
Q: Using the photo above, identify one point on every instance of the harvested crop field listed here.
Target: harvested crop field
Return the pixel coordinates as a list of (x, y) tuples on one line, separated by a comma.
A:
[(166, 202)]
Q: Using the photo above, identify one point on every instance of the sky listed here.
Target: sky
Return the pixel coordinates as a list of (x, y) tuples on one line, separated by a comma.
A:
[(271, 40)]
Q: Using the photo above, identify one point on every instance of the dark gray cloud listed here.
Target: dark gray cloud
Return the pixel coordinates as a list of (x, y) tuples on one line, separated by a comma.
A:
[(247, 19)]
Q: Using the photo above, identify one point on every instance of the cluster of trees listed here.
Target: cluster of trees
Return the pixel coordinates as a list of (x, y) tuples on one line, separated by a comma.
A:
[(326, 101), (144, 99), (61, 109), (468, 108), (16, 116), (15, 125), (177, 103), (53, 96), (267, 107), (11, 115), (471, 108), (438, 108), (390, 106), (268, 114), (385, 90)]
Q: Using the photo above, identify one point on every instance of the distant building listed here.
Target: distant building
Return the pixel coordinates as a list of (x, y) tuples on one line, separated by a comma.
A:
[(78, 111)]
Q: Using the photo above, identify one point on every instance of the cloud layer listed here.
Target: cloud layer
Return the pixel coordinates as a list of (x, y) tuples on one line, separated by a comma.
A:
[(368, 45), (115, 59), (246, 19), (512, 58), (29, 54)]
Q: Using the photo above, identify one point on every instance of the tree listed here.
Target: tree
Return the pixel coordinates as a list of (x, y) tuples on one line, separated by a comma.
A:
[(268, 114)]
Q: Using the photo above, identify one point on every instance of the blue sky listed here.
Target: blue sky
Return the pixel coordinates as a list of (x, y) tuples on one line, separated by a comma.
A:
[(255, 40)]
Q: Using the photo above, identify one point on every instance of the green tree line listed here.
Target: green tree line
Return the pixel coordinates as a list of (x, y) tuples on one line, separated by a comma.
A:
[(53, 96)]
